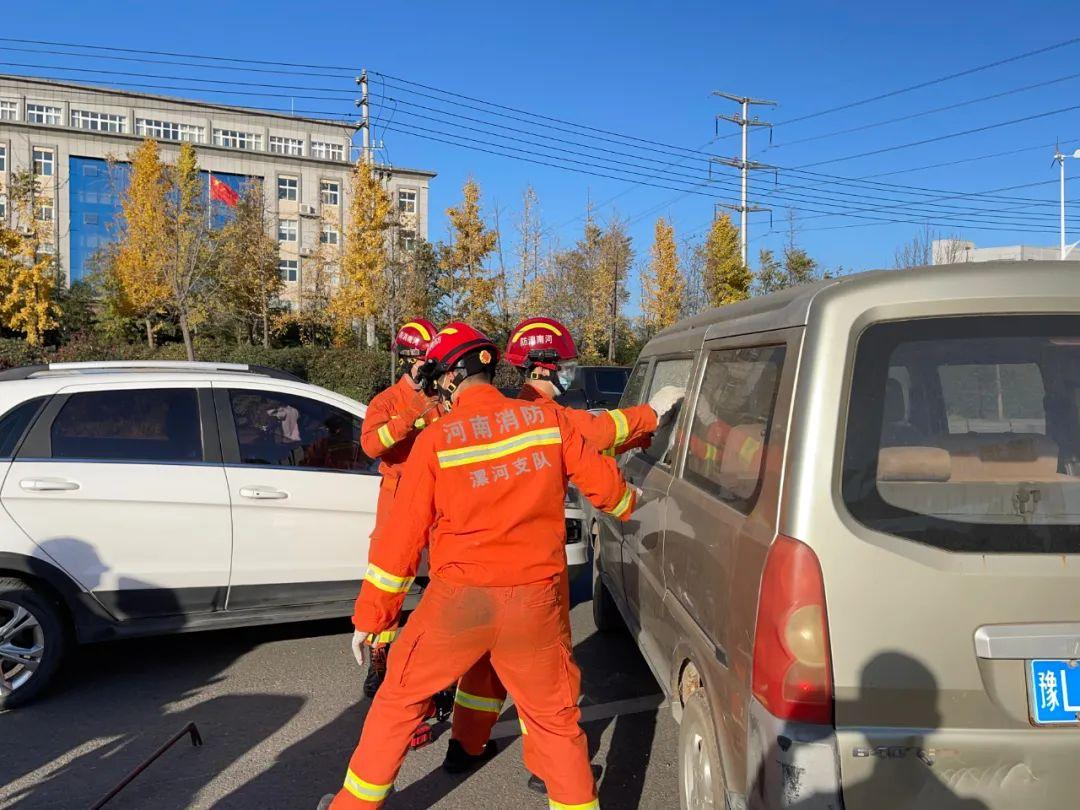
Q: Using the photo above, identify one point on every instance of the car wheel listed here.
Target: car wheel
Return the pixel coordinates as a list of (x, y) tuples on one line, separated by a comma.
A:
[(605, 612), (701, 775), (33, 639)]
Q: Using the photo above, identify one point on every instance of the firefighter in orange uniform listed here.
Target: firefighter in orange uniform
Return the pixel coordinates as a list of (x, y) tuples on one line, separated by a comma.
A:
[(394, 419), (543, 350), (484, 490)]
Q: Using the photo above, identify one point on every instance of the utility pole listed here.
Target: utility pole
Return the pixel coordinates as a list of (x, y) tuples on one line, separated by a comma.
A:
[(744, 122), (365, 156), (1059, 158)]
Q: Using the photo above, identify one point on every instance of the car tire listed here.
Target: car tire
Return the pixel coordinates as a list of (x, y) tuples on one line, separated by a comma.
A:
[(701, 772), (605, 612), (31, 623)]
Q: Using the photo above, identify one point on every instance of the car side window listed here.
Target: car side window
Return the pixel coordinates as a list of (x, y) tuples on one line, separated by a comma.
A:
[(284, 430), (14, 423), (139, 425), (668, 372), (635, 385), (732, 418)]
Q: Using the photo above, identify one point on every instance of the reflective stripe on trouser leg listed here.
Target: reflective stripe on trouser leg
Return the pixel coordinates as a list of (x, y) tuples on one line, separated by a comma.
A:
[(477, 705), (532, 658), (426, 656), (593, 805)]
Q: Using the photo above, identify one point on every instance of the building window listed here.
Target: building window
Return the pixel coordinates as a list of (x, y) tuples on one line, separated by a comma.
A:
[(43, 114), (408, 240), (43, 162), (330, 192), (290, 269), (99, 122), (9, 111), (46, 249), (286, 230), (288, 188), (406, 201), (169, 130), (234, 139), (287, 146), (3, 158), (43, 211), (3, 207), (329, 235), (327, 151)]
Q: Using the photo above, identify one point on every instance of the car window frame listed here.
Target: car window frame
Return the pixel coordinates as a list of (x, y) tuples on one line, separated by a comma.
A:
[(774, 341), (670, 460), (36, 444), (230, 441), (42, 401)]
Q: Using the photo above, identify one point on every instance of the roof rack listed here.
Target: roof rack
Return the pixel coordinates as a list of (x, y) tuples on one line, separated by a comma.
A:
[(105, 366)]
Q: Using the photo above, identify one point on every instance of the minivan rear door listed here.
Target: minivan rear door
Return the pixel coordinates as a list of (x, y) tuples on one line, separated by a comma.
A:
[(953, 595)]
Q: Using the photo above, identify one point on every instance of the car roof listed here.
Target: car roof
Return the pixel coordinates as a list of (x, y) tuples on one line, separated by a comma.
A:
[(792, 307)]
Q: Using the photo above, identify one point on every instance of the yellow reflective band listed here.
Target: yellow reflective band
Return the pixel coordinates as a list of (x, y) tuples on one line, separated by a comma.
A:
[(593, 805), (710, 452), (385, 637), (749, 447), (532, 326), (522, 724), (385, 581), (477, 703), (419, 424), (504, 447), (385, 437), (419, 327), (366, 791), (624, 504), (622, 427), (448, 331)]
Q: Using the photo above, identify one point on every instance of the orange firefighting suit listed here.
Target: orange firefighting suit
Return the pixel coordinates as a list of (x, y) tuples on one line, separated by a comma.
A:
[(480, 694), (487, 486), (393, 420)]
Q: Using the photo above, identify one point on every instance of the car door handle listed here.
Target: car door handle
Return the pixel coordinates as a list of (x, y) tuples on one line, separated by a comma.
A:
[(48, 485), (263, 493)]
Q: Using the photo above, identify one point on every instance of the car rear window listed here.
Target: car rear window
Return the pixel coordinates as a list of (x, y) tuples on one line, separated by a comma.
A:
[(964, 433)]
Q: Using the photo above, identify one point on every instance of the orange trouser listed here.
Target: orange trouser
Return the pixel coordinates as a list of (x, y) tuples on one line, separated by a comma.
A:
[(523, 631), (480, 694)]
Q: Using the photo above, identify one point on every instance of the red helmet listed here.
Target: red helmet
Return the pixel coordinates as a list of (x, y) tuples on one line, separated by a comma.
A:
[(414, 337), (458, 346), (540, 342)]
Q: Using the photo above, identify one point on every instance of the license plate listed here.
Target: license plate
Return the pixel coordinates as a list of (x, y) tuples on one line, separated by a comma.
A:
[(1055, 692)]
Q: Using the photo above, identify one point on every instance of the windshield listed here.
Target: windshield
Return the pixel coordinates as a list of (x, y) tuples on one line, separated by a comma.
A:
[(612, 380), (964, 433)]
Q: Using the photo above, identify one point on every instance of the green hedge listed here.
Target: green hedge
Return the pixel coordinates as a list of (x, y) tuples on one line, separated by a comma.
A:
[(358, 373)]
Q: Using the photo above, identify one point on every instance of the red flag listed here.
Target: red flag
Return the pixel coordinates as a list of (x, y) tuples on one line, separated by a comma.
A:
[(222, 192)]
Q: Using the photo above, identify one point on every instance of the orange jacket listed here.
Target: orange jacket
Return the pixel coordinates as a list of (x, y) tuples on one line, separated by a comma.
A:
[(485, 490), (610, 432), (394, 418)]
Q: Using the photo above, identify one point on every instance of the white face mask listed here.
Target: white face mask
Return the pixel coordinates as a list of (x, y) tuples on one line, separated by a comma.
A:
[(566, 373)]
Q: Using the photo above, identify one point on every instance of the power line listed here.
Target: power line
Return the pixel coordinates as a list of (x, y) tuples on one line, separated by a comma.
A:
[(931, 82)]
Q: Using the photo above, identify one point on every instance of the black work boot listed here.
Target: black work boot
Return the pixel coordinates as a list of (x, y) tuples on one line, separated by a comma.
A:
[(458, 760), (376, 673)]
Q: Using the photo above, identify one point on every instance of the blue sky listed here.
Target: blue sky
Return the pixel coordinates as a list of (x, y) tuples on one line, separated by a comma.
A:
[(648, 70)]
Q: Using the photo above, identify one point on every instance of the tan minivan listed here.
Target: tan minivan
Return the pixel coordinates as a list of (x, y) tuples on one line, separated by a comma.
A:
[(855, 569)]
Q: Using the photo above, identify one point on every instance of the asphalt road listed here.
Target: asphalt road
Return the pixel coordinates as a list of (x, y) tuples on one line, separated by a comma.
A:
[(280, 709)]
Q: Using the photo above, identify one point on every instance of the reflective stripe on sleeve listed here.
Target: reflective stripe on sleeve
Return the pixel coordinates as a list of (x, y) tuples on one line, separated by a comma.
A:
[(477, 703), (623, 505), (385, 581), (504, 447), (366, 791), (749, 447), (385, 637), (522, 724), (622, 427), (593, 805), (385, 437)]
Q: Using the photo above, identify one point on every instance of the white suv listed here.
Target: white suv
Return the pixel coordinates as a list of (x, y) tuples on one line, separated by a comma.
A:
[(163, 497)]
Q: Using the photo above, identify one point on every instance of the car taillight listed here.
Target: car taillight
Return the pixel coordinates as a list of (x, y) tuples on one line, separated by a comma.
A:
[(792, 671)]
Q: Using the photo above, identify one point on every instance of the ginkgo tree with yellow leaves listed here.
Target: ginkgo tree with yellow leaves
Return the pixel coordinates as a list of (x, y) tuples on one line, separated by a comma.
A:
[(467, 286), (29, 273), (663, 285)]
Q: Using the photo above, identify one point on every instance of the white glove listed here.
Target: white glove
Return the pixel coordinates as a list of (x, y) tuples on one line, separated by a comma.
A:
[(361, 650), (665, 399)]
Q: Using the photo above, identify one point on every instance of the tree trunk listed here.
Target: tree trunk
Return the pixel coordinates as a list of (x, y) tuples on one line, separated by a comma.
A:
[(265, 326), (369, 324), (185, 330), (149, 332)]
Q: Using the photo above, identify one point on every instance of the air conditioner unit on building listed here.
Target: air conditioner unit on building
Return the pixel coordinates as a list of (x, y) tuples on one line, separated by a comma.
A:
[(308, 211)]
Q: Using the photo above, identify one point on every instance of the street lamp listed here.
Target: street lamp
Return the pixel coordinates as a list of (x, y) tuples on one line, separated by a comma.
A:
[(1059, 158)]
